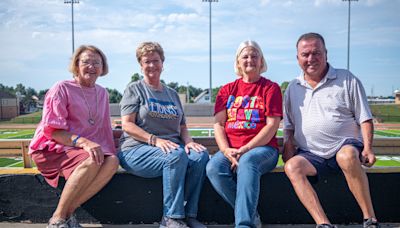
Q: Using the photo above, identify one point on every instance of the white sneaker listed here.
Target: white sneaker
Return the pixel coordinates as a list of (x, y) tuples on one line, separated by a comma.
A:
[(73, 222), (172, 223), (61, 223)]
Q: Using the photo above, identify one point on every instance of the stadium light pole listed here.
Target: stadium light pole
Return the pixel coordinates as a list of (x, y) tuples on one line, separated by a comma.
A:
[(348, 33), (72, 2), (210, 89)]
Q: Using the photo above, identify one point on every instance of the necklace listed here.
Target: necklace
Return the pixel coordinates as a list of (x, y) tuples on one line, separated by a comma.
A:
[(91, 117)]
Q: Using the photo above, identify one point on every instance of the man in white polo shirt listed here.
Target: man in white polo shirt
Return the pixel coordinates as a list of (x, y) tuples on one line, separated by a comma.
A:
[(328, 128)]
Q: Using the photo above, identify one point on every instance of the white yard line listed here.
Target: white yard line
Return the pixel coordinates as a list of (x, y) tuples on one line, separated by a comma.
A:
[(10, 165)]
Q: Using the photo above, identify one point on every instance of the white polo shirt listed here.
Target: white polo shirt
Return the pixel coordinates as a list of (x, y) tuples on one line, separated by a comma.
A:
[(324, 117)]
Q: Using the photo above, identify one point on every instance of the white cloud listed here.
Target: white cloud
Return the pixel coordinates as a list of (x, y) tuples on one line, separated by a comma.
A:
[(264, 2), (327, 2), (373, 2), (36, 35), (195, 5), (288, 4), (181, 18)]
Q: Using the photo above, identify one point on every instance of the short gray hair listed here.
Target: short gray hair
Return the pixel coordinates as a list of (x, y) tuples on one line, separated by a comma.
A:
[(311, 35), (149, 47), (74, 65)]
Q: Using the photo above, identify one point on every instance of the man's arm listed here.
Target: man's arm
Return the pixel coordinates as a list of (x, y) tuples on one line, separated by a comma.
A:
[(289, 146), (367, 131)]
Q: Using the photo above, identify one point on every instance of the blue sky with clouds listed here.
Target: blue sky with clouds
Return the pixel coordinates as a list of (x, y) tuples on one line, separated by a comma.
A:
[(35, 38)]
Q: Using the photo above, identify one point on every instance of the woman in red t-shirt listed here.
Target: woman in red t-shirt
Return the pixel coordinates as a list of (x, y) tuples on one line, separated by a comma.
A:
[(247, 115)]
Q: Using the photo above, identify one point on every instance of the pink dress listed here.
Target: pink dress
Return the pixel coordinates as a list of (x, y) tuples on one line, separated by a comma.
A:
[(65, 108)]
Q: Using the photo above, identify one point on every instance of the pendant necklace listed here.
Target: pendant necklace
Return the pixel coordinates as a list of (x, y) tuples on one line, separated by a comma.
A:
[(91, 117)]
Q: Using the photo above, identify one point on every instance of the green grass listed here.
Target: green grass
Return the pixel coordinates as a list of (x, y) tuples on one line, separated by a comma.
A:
[(205, 132), (201, 132), (381, 161), (20, 165), (385, 109), (280, 161), (31, 118), (16, 133), (386, 113), (387, 161), (388, 133), (7, 161)]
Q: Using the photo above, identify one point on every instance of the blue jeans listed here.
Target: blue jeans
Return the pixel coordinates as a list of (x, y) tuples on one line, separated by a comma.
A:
[(241, 189), (183, 175)]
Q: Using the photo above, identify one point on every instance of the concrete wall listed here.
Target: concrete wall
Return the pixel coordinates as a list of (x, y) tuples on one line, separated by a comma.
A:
[(199, 109), (115, 110), (131, 199)]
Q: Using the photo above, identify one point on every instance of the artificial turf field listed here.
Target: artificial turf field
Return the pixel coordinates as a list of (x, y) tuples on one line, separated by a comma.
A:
[(28, 133)]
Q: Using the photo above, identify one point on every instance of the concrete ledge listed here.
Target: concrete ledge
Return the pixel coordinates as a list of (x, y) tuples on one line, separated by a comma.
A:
[(278, 169), (129, 199)]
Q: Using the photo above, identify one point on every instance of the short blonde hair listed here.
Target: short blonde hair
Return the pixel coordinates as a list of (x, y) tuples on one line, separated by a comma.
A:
[(149, 47), (74, 65), (253, 44)]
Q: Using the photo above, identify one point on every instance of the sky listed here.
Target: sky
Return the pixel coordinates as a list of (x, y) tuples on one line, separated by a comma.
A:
[(36, 40)]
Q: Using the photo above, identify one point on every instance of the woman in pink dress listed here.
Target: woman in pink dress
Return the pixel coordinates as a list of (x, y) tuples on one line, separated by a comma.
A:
[(74, 138)]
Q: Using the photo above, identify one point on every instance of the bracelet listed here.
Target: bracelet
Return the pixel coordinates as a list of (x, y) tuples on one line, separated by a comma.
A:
[(75, 140), (150, 140)]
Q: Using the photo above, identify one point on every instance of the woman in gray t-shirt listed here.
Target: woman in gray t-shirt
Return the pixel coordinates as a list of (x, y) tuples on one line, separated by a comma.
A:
[(156, 141)]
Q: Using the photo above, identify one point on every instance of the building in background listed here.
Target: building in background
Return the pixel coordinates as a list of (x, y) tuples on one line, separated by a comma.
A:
[(397, 96), (8, 106), (203, 98)]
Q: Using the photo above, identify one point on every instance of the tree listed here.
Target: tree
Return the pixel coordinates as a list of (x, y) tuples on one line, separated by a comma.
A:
[(114, 95), (20, 88), (214, 94), (7, 89), (193, 91), (136, 77), (173, 85), (181, 89), (42, 93), (28, 100), (284, 85)]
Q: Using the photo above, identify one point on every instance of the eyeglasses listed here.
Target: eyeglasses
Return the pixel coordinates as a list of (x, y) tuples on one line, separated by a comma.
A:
[(154, 62), (95, 63)]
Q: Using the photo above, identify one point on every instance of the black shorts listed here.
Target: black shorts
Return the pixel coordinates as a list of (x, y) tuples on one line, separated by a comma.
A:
[(330, 165)]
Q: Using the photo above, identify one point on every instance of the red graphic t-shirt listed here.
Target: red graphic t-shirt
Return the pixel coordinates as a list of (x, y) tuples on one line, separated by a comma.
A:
[(246, 106)]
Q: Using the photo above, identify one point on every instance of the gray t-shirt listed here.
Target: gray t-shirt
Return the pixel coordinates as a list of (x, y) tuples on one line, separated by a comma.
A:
[(323, 118), (159, 112)]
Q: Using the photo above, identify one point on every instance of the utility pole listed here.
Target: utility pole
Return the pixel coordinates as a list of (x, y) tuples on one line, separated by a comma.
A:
[(348, 33), (187, 93), (210, 31), (72, 2)]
